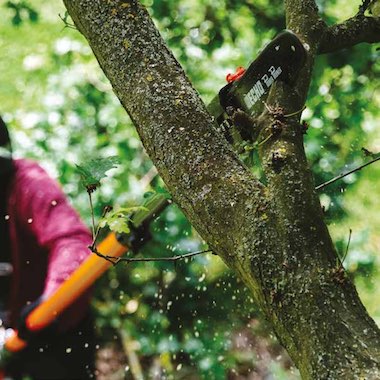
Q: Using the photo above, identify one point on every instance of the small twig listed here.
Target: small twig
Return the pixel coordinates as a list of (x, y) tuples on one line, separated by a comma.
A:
[(113, 260), (98, 228), (337, 178), (269, 109), (339, 274), (171, 258), (265, 140), (95, 236), (341, 261), (116, 260), (67, 24), (92, 215), (364, 6), (348, 245), (296, 112), (278, 111)]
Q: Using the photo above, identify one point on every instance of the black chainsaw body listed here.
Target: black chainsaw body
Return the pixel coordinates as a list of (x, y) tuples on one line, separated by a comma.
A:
[(280, 60)]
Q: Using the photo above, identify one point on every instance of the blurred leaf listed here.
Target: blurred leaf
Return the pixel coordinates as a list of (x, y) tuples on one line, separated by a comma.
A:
[(21, 9), (118, 220), (93, 171)]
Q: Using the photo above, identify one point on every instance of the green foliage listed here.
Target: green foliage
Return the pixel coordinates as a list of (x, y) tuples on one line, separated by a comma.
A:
[(22, 10), (93, 171), (118, 220), (195, 315), (374, 8)]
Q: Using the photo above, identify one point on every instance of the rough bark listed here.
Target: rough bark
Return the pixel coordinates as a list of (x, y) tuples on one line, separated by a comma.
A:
[(273, 237), (351, 32)]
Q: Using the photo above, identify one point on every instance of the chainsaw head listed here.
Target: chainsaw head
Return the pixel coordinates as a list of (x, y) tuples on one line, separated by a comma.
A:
[(280, 60)]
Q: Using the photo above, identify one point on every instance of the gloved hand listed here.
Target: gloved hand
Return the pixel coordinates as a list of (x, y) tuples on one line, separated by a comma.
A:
[(28, 335)]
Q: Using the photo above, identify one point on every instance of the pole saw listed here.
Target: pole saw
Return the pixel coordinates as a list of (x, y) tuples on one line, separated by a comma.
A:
[(281, 60), (88, 272)]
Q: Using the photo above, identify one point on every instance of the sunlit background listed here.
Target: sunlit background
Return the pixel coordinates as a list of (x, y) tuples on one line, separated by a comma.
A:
[(195, 320)]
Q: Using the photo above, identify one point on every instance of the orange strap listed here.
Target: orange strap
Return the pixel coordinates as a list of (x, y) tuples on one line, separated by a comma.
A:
[(69, 291)]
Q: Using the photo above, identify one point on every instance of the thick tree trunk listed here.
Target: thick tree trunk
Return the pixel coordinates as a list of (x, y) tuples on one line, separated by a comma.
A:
[(273, 237)]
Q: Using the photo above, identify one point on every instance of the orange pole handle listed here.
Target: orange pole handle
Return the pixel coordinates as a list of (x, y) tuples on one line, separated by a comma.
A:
[(14, 343), (85, 275)]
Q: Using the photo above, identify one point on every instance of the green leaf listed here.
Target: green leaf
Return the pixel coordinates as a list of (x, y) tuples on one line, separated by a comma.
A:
[(21, 10), (93, 171), (118, 220)]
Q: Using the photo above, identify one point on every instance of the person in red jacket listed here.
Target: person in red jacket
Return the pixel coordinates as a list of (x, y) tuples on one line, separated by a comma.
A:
[(42, 242)]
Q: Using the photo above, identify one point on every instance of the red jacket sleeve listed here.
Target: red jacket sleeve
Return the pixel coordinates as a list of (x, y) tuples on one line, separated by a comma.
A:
[(48, 216)]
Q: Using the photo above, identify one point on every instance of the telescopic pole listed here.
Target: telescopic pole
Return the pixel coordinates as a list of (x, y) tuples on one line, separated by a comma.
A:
[(87, 273)]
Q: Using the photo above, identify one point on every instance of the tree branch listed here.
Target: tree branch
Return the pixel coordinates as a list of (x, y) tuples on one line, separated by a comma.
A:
[(364, 6), (303, 18), (340, 176), (169, 115), (261, 14), (116, 260), (354, 31)]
